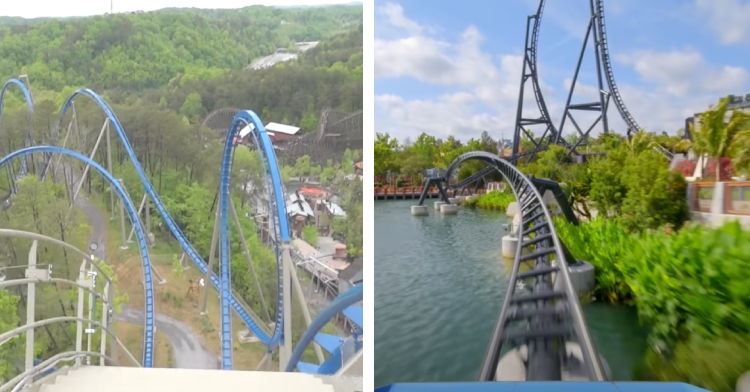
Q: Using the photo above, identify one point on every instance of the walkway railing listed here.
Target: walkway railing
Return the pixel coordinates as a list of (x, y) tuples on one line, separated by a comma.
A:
[(92, 280), (730, 198)]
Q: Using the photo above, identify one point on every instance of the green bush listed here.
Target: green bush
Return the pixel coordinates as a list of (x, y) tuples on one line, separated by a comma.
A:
[(714, 364), (310, 234), (638, 190), (495, 200), (690, 283), (689, 286)]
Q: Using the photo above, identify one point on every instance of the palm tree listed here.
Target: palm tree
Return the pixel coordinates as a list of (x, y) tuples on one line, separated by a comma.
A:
[(717, 136)]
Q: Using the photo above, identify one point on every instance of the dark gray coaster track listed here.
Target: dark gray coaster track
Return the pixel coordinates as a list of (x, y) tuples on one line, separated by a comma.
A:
[(541, 309)]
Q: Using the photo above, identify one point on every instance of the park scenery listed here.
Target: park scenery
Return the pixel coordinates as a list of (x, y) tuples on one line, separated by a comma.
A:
[(164, 88), (641, 228)]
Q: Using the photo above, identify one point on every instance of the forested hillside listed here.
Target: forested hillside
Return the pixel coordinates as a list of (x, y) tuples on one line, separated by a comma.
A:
[(329, 75), (145, 50)]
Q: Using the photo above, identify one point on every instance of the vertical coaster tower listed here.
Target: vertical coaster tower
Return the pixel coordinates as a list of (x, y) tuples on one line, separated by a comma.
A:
[(529, 74), (596, 33)]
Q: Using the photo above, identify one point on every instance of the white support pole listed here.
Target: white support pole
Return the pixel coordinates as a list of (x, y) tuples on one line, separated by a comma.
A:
[(263, 362), (86, 168), (89, 333), (105, 317), (59, 158), (79, 310), (285, 351), (122, 219), (211, 260), (122, 230), (140, 211), (302, 303), (30, 309), (148, 215), (249, 259), (109, 169)]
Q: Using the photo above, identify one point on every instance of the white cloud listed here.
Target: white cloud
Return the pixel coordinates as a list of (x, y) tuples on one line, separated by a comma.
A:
[(477, 76), (730, 19), (683, 72), (483, 89)]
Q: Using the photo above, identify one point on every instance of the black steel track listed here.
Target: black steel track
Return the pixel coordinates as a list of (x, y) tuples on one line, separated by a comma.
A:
[(607, 62), (541, 308), (597, 31), (529, 73)]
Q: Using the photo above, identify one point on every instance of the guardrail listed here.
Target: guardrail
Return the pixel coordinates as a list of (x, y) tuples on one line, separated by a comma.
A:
[(92, 280), (726, 198)]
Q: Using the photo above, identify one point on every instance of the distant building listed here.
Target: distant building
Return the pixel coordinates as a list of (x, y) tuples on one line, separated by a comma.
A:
[(736, 102), (281, 132)]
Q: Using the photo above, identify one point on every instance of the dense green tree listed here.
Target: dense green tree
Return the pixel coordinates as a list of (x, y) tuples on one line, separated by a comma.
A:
[(146, 50)]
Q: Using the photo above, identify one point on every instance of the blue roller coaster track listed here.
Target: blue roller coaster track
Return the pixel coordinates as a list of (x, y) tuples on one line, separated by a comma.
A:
[(29, 137), (148, 330), (280, 232)]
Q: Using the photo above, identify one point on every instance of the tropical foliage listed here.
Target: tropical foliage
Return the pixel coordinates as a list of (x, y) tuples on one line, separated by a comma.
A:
[(495, 200), (722, 135), (687, 285)]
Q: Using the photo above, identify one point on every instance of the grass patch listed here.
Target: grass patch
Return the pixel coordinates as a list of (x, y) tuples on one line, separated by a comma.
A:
[(131, 336), (171, 299)]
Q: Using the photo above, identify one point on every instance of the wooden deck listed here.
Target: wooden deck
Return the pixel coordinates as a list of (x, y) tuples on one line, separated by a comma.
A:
[(413, 192)]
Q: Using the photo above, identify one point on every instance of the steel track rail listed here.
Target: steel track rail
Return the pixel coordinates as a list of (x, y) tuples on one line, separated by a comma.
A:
[(533, 63), (548, 314), (149, 326), (607, 62)]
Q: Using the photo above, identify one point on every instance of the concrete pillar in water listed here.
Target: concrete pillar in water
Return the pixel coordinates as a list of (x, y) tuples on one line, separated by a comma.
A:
[(582, 277), (509, 246), (512, 209), (449, 209), (419, 210), (461, 198), (453, 200), (438, 204)]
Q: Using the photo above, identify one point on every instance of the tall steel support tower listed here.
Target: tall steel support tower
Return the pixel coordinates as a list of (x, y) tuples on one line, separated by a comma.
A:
[(529, 74)]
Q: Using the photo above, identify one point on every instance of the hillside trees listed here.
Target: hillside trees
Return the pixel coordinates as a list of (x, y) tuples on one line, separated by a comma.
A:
[(137, 51)]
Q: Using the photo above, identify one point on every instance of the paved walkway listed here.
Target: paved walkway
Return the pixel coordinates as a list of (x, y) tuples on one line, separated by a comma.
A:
[(187, 348)]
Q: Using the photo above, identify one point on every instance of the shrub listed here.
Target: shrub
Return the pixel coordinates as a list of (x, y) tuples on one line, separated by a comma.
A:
[(310, 234), (686, 284), (714, 364), (726, 172), (495, 200), (687, 167)]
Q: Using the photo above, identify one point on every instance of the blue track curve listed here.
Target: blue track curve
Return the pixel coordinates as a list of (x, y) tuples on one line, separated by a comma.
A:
[(268, 154), (276, 195), (148, 333), (29, 105), (275, 191), (343, 301)]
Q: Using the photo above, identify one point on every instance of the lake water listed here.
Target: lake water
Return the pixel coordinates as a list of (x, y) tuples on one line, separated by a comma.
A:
[(439, 285)]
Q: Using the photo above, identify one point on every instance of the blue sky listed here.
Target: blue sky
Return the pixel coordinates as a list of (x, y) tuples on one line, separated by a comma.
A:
[(451, 67)]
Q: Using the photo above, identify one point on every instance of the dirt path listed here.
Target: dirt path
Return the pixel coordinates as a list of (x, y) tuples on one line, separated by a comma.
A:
[(186, 345), (188, 351)]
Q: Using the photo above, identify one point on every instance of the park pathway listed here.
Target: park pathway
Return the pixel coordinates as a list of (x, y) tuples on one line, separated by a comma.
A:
[(188, 351)]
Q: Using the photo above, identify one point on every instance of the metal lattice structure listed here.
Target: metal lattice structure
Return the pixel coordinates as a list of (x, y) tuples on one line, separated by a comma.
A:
[(337, 132), (596, 33)]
